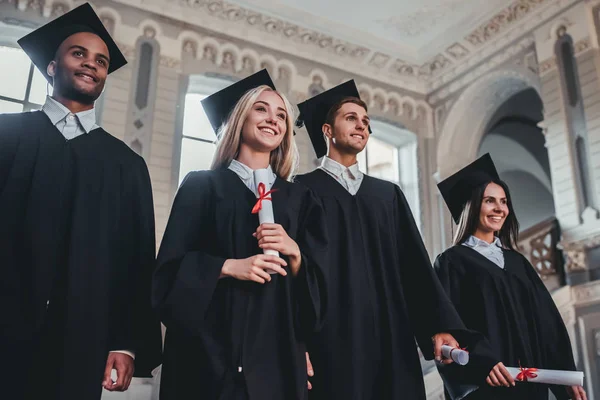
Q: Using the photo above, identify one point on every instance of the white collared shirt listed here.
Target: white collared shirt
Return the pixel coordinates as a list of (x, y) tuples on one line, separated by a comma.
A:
[(491, 251), (246, 174), (349, 177), (69, 124)]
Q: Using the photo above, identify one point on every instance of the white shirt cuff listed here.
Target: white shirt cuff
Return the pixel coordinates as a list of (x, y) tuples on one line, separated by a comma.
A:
[(129, 353)]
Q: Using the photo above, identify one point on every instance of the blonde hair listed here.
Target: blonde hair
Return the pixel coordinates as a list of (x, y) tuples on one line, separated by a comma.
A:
[(283, 160)]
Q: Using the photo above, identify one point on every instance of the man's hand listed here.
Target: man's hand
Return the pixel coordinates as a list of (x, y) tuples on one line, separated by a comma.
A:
[(309, 370), (124, 366), (438, 341)]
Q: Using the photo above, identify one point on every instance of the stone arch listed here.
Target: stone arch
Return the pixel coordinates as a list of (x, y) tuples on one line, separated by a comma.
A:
[(465, 125)]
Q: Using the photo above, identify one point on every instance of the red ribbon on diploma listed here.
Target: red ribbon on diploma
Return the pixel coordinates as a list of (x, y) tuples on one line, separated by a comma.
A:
[(526, 373), (262, 196)]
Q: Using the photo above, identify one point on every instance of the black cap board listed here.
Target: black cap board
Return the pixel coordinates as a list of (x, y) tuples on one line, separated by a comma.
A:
[(456, 189), (313, 112), (41, 45)]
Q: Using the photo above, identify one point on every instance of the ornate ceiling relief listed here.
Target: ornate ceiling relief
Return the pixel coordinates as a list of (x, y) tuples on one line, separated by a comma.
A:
[(440, 72), (502, 20)]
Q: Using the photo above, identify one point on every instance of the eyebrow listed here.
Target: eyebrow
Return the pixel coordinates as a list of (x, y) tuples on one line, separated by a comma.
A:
[(354, 113), (76, 46), (493, 197), (267, 104)]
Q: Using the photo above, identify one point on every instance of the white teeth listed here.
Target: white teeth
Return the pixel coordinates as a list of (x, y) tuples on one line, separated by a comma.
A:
[(268, 130), (87, 77)]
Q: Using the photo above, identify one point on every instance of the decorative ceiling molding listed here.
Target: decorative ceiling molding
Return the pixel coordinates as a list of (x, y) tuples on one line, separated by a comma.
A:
[(443, 71)]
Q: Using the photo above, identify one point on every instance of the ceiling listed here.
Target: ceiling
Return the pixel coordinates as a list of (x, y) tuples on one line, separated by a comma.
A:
[(413, 30)]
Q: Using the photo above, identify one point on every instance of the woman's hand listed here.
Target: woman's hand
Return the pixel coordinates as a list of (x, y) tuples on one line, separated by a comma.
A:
[(254, 268), (576, 393), (274, 237), (499, 376)]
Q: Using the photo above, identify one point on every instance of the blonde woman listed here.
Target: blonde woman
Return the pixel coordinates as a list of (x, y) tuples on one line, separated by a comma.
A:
[(235, 317)]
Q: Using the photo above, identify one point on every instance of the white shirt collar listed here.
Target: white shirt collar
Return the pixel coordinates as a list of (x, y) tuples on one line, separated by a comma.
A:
[(474, 242), (57, 112), (337, 169)]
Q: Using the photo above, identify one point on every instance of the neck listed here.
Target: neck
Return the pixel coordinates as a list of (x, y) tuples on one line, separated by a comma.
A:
[(252, 158), (346, 159), (484, 235), (73, 106)]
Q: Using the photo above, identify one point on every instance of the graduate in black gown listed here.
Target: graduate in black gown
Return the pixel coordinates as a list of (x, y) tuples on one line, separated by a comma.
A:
[(236, 318), (77, 245), (383, 292), (497, 292)]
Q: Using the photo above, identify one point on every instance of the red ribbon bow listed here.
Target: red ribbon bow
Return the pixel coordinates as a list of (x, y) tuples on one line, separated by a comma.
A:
[(526, 373), (262, 196)]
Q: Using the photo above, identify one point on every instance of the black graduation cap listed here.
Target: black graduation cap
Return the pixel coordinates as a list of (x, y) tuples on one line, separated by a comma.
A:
[(41, 45), (219, 105), (313, 112), (456, 189)]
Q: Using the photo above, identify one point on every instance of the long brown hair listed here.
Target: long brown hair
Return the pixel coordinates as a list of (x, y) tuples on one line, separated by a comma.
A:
[(469, 218), (283, 160)]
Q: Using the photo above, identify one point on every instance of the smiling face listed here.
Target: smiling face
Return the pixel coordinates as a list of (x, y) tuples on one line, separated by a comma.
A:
[(494, 209), (350, 131), (80, 67), (266, 123)]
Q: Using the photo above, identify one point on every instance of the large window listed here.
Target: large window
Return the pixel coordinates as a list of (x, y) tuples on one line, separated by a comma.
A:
[(23, 87), (391, 154), (198, 137)]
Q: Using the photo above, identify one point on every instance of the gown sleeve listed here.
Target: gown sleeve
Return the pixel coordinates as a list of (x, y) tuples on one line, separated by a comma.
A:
[(139, 329), (310, 283), (187, 273), (429, 309), (459, 381), (9, 141), (558, 352)]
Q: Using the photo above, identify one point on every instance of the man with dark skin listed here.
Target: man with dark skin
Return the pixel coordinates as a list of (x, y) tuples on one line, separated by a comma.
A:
[(77, 245)]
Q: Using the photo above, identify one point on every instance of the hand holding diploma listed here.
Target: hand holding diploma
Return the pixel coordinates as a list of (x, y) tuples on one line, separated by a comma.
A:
[(440, 340), (264, 204), (499, 376), (547, 376), (458, 355)]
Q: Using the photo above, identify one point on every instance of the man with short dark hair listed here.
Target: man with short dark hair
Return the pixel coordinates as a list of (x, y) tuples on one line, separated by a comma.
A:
[(77, 244), (382, 290)]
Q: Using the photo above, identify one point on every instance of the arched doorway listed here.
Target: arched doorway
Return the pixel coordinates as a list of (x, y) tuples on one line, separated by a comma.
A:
[(516, 144)]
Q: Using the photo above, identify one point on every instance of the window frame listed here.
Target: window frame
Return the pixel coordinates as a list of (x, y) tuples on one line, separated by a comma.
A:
[(25, 103), (398, 137), (202, 84)]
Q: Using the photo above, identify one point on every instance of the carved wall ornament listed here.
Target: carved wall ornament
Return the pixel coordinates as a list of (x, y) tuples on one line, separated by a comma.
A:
[(502, 20), (149, 32), (457, 51), (576, 260)]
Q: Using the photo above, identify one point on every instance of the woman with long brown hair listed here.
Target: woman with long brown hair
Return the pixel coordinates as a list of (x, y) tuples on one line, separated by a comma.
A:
[(236, 318), (497, 292)]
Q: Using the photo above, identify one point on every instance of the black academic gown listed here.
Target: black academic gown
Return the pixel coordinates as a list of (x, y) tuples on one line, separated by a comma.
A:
[(226, 338), (76, 257), (383, 293), (514, 311)]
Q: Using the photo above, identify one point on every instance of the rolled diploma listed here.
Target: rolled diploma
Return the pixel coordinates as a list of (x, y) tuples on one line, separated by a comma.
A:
[(265, 215), (552, 377), (461, 357)]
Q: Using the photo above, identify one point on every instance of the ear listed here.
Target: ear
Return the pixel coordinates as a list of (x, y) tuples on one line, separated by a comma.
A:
[(51, 69), (327, 131)]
